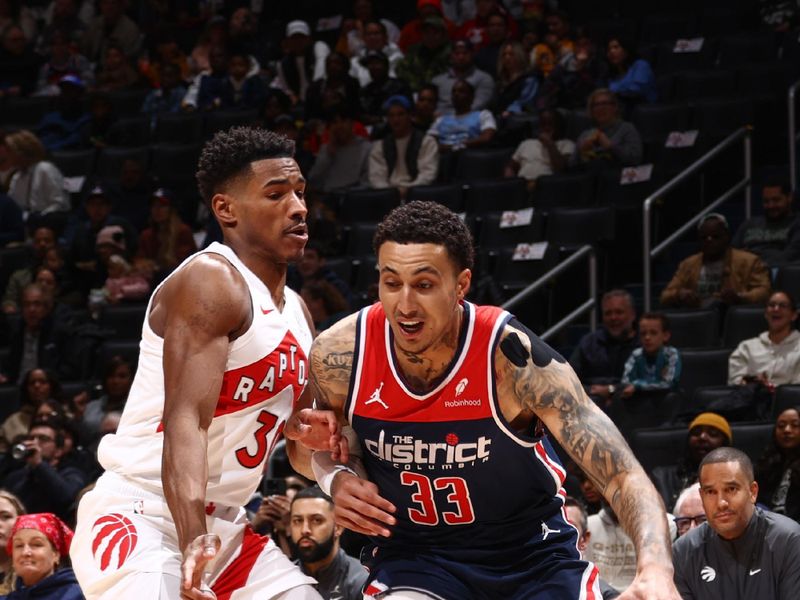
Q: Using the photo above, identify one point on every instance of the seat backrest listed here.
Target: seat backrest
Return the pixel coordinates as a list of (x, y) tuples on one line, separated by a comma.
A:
[(482, 163), (580, 225), (703, 367), (693, 328), (655, 121), (564, 189), (658, 447), (368, 205), (492, 236), (109, 160), (742, 323), (450, 195), (752, 438), (500, 194), (786, 396), (788, 278)]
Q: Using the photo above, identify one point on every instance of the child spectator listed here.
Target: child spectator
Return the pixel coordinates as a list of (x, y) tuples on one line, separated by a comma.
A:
[(655, 366), (124, 283)]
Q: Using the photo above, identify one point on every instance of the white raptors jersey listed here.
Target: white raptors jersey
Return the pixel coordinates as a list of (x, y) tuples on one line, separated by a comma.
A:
[(266, 372)]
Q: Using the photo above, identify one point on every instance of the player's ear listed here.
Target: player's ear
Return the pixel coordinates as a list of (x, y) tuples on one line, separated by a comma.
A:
[(463, 281), (224, 208)]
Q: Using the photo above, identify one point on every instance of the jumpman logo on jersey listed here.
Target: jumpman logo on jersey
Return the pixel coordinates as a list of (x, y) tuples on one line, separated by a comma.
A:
[(376, 397), (547, 531)]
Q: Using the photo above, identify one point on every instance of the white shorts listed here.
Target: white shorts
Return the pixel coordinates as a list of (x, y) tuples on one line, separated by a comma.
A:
[(126, 548)]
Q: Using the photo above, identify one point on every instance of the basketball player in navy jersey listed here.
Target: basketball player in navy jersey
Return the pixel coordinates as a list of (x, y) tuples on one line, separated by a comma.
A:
[(222, 363), (450, 471)]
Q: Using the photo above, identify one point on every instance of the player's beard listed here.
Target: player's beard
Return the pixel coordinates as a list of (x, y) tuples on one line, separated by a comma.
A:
[(315, 553)]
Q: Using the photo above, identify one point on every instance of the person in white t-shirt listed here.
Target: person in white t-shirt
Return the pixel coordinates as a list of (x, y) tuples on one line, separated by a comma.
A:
[(547, 154)]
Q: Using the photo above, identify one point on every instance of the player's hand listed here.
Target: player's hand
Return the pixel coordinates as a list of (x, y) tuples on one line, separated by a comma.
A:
[(318, 430), (357, 505), (652, 583), (203, 549)]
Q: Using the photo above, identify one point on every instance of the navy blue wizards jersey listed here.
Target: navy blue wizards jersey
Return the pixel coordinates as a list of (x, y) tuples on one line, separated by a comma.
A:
[(465, 484)]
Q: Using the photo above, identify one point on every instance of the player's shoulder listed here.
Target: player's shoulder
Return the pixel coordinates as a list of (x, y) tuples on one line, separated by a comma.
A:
[(338, 338), (518, 344)]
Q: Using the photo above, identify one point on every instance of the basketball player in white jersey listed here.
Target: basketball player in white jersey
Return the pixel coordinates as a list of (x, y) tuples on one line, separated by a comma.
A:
[(222, 362)]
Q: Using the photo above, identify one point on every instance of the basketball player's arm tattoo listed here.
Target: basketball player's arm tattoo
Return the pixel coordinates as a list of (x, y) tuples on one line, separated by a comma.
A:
[(543, 383)]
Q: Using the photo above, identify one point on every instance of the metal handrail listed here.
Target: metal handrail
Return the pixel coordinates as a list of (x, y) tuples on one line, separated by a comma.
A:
[(792, 137), (590, 304), (648, 254)]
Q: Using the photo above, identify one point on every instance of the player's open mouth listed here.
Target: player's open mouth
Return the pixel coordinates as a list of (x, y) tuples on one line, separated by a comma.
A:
[(410, 327)]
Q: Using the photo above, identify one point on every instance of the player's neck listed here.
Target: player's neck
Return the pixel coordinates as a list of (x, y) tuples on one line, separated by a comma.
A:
[(269, 271)]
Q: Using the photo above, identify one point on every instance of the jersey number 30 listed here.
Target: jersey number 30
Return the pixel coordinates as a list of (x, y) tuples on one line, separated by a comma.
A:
[(428, 513)]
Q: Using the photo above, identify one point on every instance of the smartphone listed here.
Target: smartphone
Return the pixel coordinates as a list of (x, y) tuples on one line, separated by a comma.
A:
[(273, 486)]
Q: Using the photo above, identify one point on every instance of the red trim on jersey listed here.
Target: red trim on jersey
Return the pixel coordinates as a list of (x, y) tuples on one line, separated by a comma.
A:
[(545, 458), (590, 584), (235, 574)]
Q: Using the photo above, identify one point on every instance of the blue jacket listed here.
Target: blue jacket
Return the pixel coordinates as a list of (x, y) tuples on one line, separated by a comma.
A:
[(637, 82), (61, 585), (661, 372)]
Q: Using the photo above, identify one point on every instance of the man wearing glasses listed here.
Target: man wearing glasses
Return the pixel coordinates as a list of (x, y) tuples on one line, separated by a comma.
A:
[(689, 510)]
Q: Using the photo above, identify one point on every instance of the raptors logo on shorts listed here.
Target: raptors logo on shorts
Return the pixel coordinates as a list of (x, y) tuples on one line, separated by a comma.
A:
[(114, 539)]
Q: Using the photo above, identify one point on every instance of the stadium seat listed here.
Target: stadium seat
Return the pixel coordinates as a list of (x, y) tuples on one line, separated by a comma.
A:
[(501, 194), (127, 349), (788, 279), (343, 267), (752, 438), (25, 113), (659, 446), (663, 27), (367, 205), (359, 238), (174, 162), (741, 323), (668, 61), (703, 367), (563, 189), (225, 119), (129, 132), (693, 328), (602, 30), (655, 121), (179, 129), (573, 227), (11, 259), (493, 237), (109, 160), (74, 163), (450, 195), (125, 320), (722, 116), (512, 275), (482, 163), (127, 103), (9, 400), (610, 192), (366, 273), (740, 48), (786, 396), (578, 121), (695, 85)]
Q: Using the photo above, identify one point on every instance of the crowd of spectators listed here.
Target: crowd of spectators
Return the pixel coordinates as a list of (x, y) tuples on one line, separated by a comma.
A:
[(384, 97)]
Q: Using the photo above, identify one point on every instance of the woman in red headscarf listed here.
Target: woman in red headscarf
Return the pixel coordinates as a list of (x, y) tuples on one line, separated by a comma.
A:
[(39, 546)]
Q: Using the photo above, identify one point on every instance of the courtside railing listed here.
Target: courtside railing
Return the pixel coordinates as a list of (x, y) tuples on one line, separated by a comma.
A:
[(585, 252), (649, 253), (792, 136)]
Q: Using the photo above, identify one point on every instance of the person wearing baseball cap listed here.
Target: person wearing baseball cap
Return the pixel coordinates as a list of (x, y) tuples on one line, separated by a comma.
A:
[(405, 157), (707, 431), (303, 62), (167, 241), (411, 34), (381, 86)]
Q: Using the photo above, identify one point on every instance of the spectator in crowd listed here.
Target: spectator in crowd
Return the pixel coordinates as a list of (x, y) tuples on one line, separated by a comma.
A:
[(376, 40), (775, 236), (556, 48), (312, 267), (130, 193), (571, 83), (6, 167), (778, 469), (487, 56), (718, 274), (116, 383), (778, 15), (429, 57), (39, 546), (549, 153), (215, 34), (112, 26), (42, 240), (37, 186), (337, 81), (315, 538), (414, 31), (611, 549), (116, 73), (576, 514), (168, 98), (631, 79), (654, 366), (15, 12), (81, 232), (63, 16), (465, 127), (477, 29), (37, 387), (706, 432), (19, 64), (62, 128), (49, 281), (243, 32), (405, 157), (353, 36), (238, 89), (462, 68), (10, 508), (164, 50), (126, 283), (303, 63), (102, 118), (425, 107), (62, 61), (380, 88), (610, 142), (325, 303), (772, 358), (274, 500), (168, 240), (110, 241), (42, 482), (688, 511), (212, 77), (343, 161), (592, 498), (599, 359), (36, 340), (12, 226), (276, 104), (742, 551), (516, 85)]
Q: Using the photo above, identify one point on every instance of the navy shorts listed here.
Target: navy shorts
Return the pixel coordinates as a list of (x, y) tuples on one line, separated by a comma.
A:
[(547, 568)]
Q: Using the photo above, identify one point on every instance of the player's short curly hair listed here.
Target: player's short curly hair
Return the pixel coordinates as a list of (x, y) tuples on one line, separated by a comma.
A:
[(427, 223), (230, 152)]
